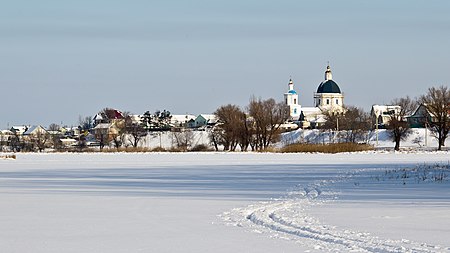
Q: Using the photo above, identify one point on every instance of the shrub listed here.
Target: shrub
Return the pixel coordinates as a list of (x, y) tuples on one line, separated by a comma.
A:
[(177, 149), (126, 150), (159, 149), (200, 148)]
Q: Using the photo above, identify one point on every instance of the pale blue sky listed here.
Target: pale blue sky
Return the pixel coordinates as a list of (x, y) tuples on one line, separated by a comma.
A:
[(62, 59)]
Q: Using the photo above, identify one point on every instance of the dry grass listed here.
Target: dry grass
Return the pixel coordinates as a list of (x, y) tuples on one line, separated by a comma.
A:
[(326, 148), (159, 149), (126, 150), (12, 156)]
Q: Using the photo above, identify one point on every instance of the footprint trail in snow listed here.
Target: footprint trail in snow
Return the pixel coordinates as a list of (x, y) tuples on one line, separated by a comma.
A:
[(288, 218)]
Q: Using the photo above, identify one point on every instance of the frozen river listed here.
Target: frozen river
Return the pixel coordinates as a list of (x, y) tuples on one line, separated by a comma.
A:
[(223, 202)]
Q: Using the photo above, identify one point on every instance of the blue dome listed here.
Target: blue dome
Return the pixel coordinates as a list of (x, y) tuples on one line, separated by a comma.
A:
[(328, 86), (292, 92)]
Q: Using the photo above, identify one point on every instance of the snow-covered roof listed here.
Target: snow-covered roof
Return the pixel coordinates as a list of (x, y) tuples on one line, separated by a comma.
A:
[(6, 132), (135, 118), (68, 140), (311, 109), (380, 109), (103, 126), (307, 111), (210, 118), (320, 119), (181, 118), (98, 117), (34, 129), (19, 129)]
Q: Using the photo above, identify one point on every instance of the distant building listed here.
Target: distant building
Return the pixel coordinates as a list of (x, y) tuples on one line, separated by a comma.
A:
[(35, 130), (381, 114), (291, 100), (19, 130), (203, 120), (181, 120), (108, 116), (421, 117), (327, 97)]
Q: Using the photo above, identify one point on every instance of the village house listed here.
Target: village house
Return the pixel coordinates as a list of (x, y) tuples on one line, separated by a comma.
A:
[(181, 120), (204, 120), (381, 114)]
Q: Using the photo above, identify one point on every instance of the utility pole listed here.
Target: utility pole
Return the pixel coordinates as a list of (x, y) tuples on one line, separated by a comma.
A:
[(337, 127), (376, 126), (426, 134), (337, 124)]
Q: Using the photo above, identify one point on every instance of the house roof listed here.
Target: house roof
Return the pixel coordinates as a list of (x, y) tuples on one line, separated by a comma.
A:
[(68, 140), (19, 129), (6, 132), (328, 86), (210, 118), (380, 109), (98, 116), (103, 126), (34, 129), (292, 92), (110, 114), (182, 118), (310, 110)]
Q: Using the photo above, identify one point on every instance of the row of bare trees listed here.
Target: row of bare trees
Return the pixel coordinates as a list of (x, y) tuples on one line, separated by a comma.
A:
[(256, 127), (437, 111), (354, 124)]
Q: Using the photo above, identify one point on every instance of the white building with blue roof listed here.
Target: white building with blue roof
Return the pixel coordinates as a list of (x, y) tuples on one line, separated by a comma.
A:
[(329, 95), (291, 100), (327, 98)]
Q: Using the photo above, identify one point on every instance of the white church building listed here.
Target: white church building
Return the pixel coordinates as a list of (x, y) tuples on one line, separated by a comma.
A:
[(327, 97)]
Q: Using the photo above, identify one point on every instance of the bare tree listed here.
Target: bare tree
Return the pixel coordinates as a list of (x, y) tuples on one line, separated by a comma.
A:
[(55, 136), (103, 136), (120, 126), (398, 127), (437, 102), (231, 125), (267, 116), (109, 114), (54, 127), (183, 139), (215, 135), (40, 140), (135, 131), (85, 123), (352, 125)]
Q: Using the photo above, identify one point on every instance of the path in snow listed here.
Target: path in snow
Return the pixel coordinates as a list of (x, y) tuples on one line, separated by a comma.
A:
[(290, 218)]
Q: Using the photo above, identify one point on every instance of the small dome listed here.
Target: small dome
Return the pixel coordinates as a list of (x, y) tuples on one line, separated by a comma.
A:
[(328, 86), (292, 92)]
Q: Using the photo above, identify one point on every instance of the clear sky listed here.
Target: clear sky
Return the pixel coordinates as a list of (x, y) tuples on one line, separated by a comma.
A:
[(62, 59)]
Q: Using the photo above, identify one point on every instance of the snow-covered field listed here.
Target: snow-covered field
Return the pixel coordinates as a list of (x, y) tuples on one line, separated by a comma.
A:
[(225, 202)]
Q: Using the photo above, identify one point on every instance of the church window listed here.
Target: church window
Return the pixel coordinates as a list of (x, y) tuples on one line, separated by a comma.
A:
[(295, 110), (295, 101), (337, 101), (328, 101)]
